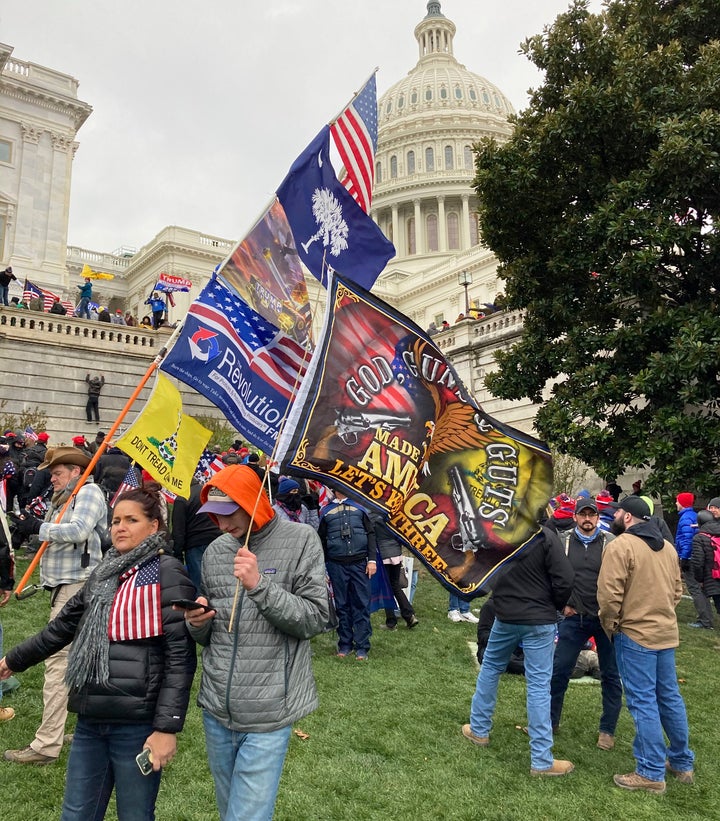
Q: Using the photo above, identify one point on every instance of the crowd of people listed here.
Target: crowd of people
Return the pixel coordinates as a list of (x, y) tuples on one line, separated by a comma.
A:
[(251, 577), (86, 308)]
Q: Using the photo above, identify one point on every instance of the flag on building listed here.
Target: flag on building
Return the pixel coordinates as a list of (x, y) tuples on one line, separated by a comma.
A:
[(30, 434), (330, 230), (136, 610), (355, 135), (164, 441), (383, 416), (32, 291), (239, 361), (167, 283), (88, 273), (69, 307), (130, 482)]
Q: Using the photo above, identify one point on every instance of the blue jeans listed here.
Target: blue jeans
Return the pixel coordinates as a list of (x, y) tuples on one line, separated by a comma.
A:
[(653, 698), (193, 562), (573, 633), (538, 641), (4, 294), (351, 587), (246, 768), (83, 310), (456, 603), (102, 756)]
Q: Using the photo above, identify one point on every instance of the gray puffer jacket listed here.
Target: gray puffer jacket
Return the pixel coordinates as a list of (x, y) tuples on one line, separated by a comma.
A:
[(258, 678)]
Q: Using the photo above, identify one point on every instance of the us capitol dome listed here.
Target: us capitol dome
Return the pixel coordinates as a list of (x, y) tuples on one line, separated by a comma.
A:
[(423, 198)]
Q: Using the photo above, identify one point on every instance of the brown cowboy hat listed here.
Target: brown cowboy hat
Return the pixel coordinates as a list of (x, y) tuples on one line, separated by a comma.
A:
[(65, 456)]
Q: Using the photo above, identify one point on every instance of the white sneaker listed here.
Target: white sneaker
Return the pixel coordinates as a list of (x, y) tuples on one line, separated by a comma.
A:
[(469, 617), (454, 615)]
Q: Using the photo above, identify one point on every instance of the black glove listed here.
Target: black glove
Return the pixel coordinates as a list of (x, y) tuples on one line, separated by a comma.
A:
[(27, 524)]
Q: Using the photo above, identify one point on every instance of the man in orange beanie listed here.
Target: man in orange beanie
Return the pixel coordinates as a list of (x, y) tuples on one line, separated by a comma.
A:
[(267, 597)]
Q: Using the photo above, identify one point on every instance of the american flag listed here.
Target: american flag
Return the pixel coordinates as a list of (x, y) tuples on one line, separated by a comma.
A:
[(30, 434), (136, 611), (32, 291), (130, 482), (355, 134), (69, 307), (8, 470), (208, 465)]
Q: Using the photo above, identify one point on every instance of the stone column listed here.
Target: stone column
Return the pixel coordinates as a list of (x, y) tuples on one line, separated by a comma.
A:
[(442, 225), (398, 239), (465, 223), (420, 246)]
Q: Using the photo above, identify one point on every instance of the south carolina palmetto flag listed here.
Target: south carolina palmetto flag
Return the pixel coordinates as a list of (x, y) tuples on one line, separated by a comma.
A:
[(165, 441)]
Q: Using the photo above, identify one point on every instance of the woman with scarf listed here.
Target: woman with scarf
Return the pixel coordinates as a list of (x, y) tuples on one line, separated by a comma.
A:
[(130, 669)]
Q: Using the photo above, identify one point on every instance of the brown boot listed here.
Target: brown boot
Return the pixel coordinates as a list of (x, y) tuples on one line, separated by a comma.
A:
[(635, 781), (481, 741), (28, 756), (683, 776), (559, 767), (606, 741)]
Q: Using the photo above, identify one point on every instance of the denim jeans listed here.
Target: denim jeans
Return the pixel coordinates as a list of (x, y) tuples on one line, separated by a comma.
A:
[(351, 587), (102, 756), (83, 309), (246, 768), (573, 633), (653, 698), (538, 641), (456, 603), (4, 289), (193, 562)]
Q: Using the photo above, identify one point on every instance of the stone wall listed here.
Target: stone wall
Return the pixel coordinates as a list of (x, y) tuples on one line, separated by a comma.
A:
[(44, 360)]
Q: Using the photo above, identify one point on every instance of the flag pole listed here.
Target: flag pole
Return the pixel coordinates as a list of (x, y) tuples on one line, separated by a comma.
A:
[(352, 99), (98, 453)]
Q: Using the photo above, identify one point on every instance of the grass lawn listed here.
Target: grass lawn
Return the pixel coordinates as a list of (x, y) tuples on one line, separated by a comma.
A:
[(385, 742)]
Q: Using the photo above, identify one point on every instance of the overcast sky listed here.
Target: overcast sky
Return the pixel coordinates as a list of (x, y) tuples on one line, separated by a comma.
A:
[(200, 108)]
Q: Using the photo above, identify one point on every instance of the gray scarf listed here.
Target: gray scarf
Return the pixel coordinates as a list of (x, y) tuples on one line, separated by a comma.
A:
[(90, 653)]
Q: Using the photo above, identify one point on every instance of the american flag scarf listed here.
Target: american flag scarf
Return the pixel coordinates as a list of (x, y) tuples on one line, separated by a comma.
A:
[(123, 599)]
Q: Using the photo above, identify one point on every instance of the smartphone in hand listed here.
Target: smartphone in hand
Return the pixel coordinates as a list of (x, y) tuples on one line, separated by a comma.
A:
[(189, 604), (144, 761)]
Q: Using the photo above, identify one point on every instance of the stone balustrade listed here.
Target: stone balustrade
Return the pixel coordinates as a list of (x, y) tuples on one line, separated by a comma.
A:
[(35, 326)]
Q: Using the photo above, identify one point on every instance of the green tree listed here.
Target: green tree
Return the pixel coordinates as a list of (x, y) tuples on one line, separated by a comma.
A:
[(602, 209)]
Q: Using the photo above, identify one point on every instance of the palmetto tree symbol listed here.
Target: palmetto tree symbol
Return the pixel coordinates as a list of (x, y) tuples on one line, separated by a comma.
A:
[(328, 215)]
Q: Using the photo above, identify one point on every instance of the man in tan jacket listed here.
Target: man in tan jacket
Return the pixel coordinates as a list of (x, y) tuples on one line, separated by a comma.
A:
[(639, 587)]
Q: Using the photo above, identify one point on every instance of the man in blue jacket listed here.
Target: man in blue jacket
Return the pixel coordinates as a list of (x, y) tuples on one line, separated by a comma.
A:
[(349, 542), (687, 528)]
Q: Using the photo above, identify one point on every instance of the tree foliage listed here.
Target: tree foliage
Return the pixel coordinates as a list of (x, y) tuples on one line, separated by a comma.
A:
[(602, 209)]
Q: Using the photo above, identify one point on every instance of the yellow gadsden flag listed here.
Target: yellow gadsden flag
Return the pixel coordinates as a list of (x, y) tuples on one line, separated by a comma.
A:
[(165, 441), (88, 273)]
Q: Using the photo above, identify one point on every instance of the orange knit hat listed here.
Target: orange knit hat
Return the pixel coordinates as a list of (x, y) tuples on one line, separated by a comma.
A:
[(239, 484)]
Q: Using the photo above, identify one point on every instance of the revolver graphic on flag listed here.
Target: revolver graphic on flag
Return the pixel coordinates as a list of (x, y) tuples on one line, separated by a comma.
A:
[(470, 535), (350, 424)]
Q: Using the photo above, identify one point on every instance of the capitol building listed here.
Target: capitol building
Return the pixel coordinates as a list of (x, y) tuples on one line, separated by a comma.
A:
[(423, 200)]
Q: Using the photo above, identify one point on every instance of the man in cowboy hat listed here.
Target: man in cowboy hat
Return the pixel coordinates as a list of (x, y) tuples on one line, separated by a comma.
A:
[(73, 551)]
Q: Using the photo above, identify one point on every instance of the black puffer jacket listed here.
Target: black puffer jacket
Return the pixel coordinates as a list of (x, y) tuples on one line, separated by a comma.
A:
[(150, 679), (536, 584), (703, 557)]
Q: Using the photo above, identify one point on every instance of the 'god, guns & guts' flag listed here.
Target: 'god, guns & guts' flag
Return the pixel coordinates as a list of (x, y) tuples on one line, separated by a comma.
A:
[(165, 441), (383, 416)]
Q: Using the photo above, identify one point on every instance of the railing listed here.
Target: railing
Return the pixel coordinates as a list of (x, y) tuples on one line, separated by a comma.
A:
[(482, 331), (22, 324)]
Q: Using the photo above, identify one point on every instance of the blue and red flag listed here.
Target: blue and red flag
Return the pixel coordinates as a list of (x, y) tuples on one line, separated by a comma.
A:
[(244, 365), (330, 229)]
